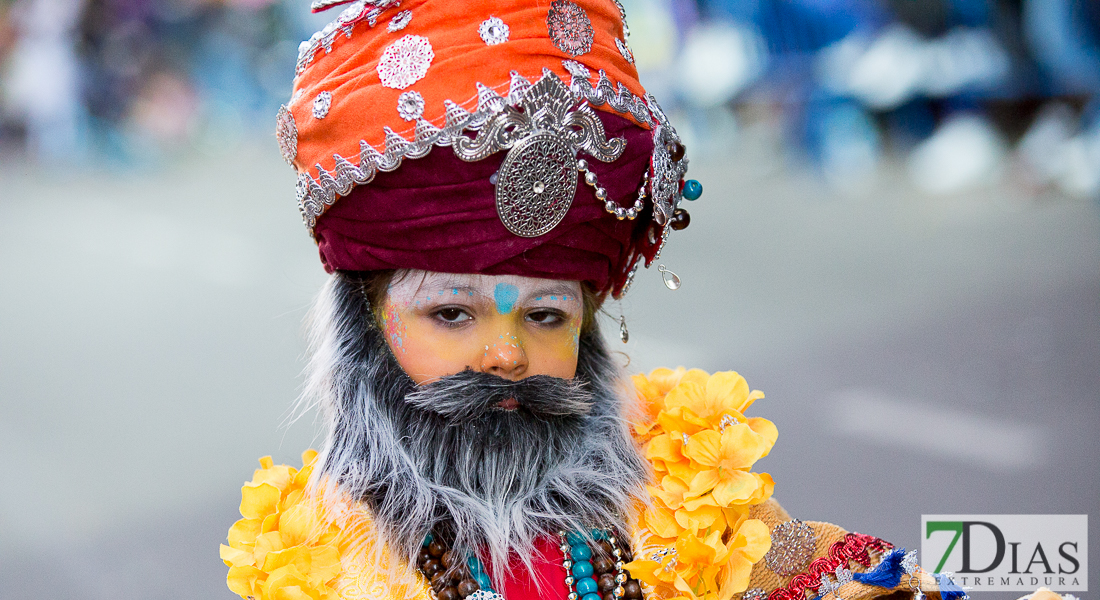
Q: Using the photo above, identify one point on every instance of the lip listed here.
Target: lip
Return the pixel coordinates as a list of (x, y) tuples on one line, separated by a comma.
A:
[(508, 404)]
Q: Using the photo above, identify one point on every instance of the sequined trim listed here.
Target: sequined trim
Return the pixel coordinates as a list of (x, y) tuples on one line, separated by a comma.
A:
[(913, 581), (618, 98), (570, 28), (322, 5), (355, 13), (545, 106), (576, 69), (622, 17), (286, 133), (493, 31), (410, 105), (400, 21), (754, 594), (854, 547), (316, 195), (841, 576), (405, 62), (321, 104), (793, 545), (624, 50)]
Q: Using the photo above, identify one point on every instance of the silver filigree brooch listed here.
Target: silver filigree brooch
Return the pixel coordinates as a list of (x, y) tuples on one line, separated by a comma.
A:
[(405, 62), (793, 545), (543, 128), (286, 133), (570, 28)]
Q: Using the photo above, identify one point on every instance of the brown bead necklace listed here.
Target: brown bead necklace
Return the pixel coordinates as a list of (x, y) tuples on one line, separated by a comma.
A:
[(593, 571)]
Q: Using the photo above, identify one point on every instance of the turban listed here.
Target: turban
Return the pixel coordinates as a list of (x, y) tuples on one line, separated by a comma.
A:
[(494, 136)]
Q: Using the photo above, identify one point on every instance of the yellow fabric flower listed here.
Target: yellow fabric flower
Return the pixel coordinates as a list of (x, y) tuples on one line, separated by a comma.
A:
[(653, 388), (728, 453), (282, 549), (695, 541)]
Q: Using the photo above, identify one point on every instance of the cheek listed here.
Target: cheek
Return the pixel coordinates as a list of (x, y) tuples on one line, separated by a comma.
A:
[(557, 351), (427, 353)]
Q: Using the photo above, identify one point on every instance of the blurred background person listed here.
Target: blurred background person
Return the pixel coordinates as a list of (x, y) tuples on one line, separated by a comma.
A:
[(41, 78)]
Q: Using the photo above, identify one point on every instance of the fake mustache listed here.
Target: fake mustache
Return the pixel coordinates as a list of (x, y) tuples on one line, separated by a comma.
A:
[(470, 395)]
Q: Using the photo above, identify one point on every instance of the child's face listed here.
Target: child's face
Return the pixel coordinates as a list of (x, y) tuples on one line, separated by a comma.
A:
[(441, 323)]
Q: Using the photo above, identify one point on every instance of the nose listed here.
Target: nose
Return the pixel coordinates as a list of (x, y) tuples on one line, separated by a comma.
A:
[(504, 357)]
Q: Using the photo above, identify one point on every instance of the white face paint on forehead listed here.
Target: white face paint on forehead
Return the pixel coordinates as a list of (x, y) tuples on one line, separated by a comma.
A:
[(505, 291)]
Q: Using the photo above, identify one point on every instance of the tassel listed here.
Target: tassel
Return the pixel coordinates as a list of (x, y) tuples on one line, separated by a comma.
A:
[(888, 572), (948, 589)]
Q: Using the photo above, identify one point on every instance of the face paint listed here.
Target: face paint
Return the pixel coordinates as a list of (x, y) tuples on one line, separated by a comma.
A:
[(512, 326), (394, 328), (507, 348), (575, 334), (505, 295)]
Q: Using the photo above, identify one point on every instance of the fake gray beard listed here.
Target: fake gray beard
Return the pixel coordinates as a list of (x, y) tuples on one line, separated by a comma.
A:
[(442, 457)]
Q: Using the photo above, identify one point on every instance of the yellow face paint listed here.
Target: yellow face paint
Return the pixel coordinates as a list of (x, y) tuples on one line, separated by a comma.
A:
[(439, 324)]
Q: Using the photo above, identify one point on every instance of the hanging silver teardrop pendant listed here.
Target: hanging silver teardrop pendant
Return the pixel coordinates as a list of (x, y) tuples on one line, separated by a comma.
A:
[(672, 280), (624, 335)]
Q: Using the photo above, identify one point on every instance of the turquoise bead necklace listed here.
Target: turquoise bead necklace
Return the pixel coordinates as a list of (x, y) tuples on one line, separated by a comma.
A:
[(584, 580), (581, 578)]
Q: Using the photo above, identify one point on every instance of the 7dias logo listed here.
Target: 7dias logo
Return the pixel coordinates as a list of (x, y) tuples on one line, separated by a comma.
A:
[(1008, 553)]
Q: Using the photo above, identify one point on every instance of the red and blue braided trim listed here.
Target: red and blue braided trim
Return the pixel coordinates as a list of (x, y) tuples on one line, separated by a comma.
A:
[(854, 546)]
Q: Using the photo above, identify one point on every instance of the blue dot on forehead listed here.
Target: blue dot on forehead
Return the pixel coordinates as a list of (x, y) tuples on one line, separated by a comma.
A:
[(505, 295)]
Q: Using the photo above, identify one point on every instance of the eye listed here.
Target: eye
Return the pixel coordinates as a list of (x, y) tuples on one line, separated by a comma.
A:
[(452, 315), (545, 317)]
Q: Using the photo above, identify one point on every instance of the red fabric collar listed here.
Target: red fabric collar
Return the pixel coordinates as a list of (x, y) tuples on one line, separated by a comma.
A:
[(548, 570)]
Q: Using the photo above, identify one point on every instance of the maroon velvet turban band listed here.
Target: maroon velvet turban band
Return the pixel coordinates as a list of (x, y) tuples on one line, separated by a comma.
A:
[(438, 213)]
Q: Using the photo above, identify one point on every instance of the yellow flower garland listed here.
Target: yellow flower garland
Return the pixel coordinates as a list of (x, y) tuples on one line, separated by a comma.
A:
[(695, 540), (281, 549)]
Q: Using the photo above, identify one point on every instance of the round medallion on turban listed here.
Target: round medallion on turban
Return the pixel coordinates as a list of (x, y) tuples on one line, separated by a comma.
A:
[(405, 62), (570, 28), (536, 184), (286, 133)]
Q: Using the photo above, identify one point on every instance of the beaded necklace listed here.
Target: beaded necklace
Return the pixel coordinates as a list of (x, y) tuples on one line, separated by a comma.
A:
[(591, 572)]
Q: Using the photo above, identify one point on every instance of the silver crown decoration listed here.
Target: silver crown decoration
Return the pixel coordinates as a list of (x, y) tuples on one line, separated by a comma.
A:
[(543, 126)]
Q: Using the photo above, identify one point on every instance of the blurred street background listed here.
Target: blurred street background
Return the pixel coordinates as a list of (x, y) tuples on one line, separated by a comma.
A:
[(898, 242)]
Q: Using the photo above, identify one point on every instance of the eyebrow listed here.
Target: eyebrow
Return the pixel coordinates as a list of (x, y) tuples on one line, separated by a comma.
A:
[(432, 288), (561, 289)]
